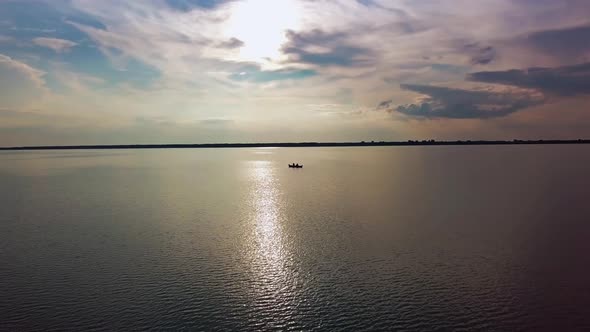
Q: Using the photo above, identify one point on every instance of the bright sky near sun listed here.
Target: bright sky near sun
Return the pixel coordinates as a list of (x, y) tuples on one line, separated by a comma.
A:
[(162, 71), (261, 26)]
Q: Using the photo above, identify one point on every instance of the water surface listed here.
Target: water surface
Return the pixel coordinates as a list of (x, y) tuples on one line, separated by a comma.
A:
[(384, 238)]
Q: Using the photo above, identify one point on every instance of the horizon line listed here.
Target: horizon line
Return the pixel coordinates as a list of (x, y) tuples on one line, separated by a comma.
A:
[(296, 144)]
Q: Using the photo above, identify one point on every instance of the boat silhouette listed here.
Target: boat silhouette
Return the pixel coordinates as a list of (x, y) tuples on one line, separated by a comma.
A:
[(295, 166)]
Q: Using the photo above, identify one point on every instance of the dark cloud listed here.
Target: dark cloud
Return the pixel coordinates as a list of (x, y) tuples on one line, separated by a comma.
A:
[(571, 44), (256, 74), (565, 81), (335, 51), (442, 102), (232, 43), (385, 105), (480, 55)]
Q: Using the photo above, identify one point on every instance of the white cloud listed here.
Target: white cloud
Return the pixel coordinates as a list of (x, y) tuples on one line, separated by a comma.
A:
[(56, 44), (197, 51), (184, 44), (20, 85)]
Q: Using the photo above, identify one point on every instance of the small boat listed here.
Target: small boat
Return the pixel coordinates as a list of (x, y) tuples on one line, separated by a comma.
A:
[(295, 166)]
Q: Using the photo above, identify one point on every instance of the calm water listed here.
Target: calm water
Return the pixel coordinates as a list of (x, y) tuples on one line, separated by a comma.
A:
[(463, 238)]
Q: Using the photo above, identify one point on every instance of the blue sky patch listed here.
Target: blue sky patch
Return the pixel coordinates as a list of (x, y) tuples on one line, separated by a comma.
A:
[(26, 20)]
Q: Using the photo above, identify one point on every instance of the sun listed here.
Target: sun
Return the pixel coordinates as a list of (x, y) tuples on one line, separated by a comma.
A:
[(261, 25)]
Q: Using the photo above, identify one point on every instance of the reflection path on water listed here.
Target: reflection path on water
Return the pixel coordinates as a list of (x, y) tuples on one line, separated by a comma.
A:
[(274, 281)]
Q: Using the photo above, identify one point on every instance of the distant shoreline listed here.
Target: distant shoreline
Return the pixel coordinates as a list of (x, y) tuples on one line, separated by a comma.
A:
[(292, 145)]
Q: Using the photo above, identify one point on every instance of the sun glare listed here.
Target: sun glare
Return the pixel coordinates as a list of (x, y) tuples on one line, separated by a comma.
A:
[(261, 25)]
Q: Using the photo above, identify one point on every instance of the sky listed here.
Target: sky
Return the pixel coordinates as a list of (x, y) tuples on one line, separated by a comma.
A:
[(204, 71)]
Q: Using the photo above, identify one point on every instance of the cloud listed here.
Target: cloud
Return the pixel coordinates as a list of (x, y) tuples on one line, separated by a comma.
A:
[(180, 44), (564, 81), (25, 83), (569, 44), (255, 74), (442, 102), (56, 44), (320, 48), (231, 43), (480, 55), (212, 59)]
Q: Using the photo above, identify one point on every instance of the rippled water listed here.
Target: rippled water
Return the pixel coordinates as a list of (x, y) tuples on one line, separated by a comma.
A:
[(421, 238)]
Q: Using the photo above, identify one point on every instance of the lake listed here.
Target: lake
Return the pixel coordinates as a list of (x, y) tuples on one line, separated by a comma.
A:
[(367, 238)]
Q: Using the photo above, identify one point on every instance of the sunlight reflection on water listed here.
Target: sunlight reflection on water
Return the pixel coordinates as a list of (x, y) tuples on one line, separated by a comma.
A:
[(270, 250), (267, 216)]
